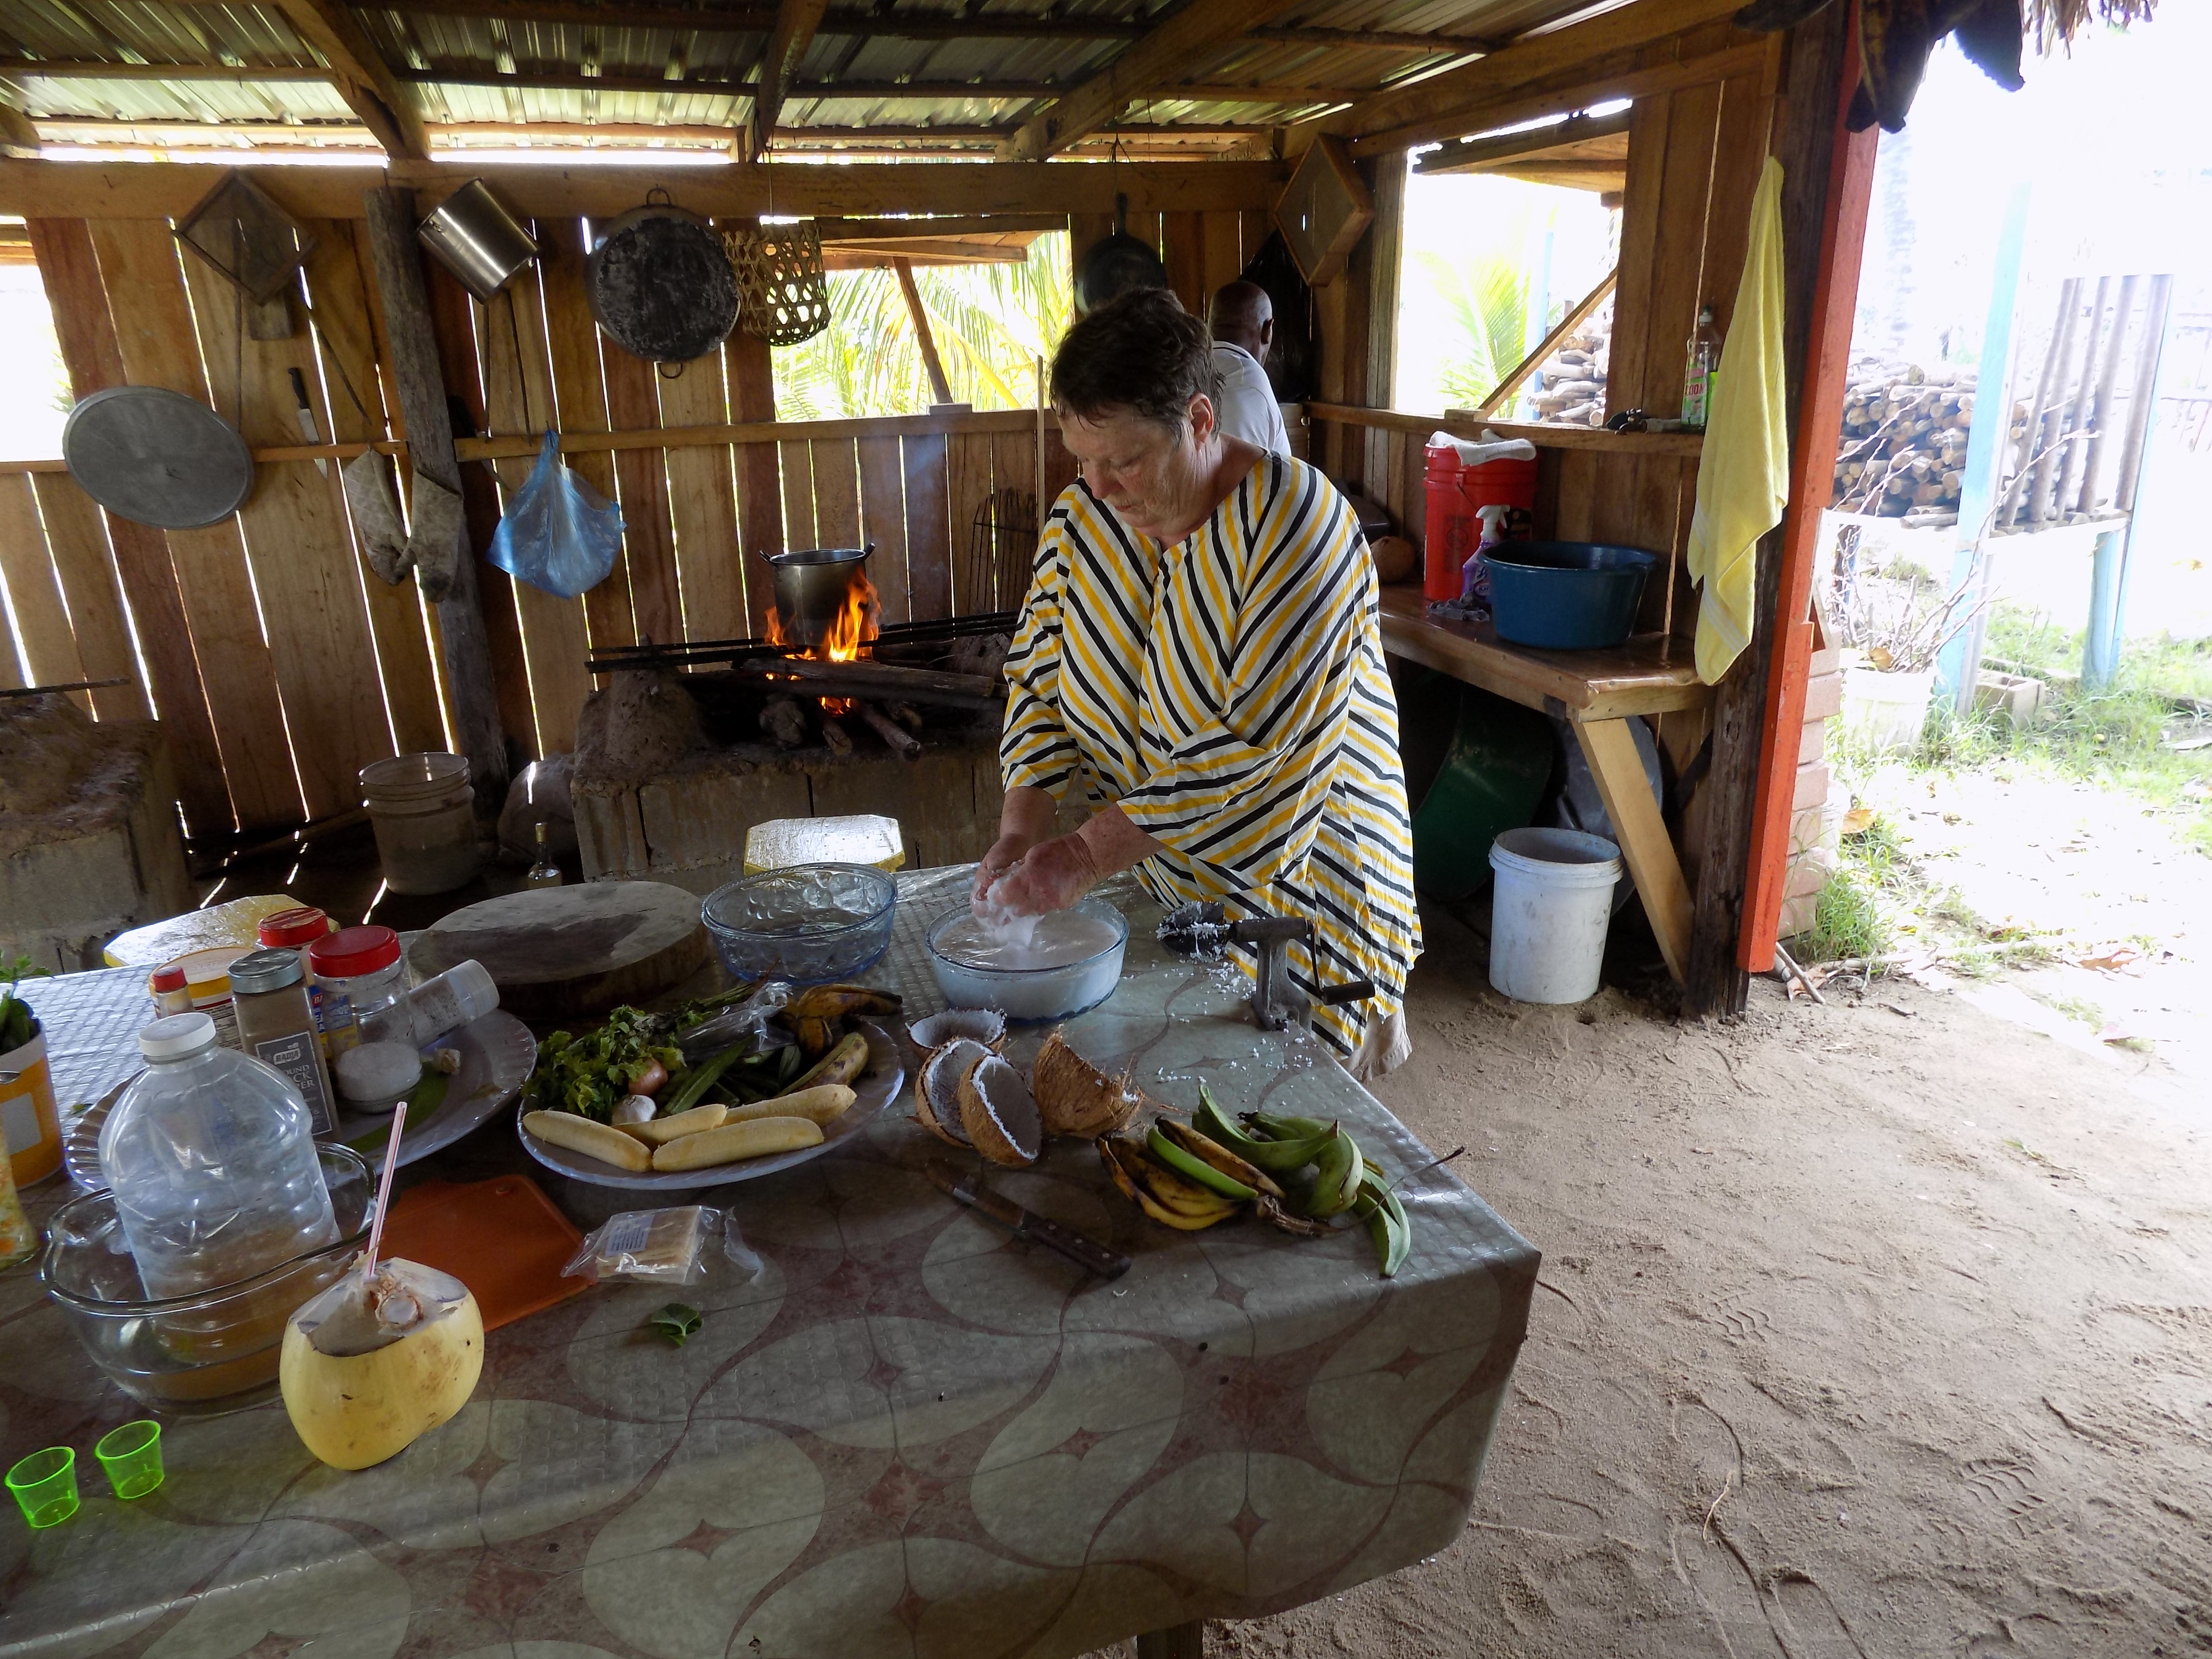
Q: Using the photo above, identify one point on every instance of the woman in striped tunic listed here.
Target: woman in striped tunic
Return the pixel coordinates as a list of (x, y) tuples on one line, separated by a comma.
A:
[(1199, 657)]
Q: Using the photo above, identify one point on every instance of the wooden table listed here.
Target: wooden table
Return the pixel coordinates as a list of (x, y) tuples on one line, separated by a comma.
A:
[(909, 1436), (1598, 691)]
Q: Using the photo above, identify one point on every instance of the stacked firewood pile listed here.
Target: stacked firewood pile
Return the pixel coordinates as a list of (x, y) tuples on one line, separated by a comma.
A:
[(1903, 445), (1573, 389)]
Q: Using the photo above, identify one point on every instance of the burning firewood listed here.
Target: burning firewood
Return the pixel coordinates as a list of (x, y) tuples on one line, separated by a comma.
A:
[(839, 739), (906, 714), (895, 737)]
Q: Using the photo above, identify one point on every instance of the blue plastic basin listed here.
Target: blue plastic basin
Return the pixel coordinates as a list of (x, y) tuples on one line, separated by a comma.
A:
[(1566, 595)]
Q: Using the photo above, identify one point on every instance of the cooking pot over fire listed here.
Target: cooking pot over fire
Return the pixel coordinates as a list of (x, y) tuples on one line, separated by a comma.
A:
[(810, 585), (659, 282)]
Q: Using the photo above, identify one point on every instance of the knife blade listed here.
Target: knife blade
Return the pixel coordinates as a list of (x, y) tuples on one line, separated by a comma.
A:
[(968, 1188)]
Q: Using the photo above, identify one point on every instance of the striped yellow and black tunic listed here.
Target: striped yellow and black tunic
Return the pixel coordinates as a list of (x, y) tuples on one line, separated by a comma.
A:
[(1229, 694)]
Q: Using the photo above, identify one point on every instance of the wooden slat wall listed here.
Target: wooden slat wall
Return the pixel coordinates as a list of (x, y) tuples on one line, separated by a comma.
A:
[(302, 665)]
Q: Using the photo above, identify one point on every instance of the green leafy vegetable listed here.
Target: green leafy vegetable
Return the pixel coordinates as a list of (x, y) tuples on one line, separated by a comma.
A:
[(679, 1321), (18, 1025), (589, 1075)]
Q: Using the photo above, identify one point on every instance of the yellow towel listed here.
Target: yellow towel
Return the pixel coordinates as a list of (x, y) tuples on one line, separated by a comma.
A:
[(1743, 477)]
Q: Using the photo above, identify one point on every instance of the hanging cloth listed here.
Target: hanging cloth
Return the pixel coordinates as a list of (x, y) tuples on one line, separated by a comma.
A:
[(1743, 477)]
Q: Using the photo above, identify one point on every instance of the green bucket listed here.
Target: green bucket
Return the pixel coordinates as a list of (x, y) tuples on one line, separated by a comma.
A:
[(1493, 774)]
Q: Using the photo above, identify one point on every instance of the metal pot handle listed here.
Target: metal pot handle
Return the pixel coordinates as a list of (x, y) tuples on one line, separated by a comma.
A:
[(664, 371), (661, 191)]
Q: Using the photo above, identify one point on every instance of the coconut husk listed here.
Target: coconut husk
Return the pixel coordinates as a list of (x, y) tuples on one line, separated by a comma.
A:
[(1075, 1098), (985, 1025), (937, 1090), (999, 1113)]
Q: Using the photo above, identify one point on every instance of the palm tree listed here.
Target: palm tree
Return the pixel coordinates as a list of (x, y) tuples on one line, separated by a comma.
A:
[(991, 324), (1487, 300)]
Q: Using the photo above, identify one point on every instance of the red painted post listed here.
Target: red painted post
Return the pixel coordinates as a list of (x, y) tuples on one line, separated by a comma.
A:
[(1813, 470)]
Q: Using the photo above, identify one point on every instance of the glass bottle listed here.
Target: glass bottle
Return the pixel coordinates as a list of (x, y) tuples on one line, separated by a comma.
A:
[(212, 1159), (1704, 360), (545, 872)]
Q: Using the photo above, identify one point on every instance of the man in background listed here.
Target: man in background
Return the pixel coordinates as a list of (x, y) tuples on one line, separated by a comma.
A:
[(1243, 325)]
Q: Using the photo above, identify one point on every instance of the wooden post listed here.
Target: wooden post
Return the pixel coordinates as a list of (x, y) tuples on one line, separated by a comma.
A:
[(930, 361), (1827, 180), (420, 379), (2141, 412), (2108, 384)]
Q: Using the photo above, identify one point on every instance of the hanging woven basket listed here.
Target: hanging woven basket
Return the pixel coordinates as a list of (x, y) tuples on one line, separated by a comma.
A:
[(783, 296)]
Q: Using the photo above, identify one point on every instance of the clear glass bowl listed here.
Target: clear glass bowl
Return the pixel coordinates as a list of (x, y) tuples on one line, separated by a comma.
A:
[(810, 924), (1029, 995), (193, 1356)]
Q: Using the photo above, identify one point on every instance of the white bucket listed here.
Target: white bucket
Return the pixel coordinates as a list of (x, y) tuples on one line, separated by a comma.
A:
[(1883, 710), (1550, 908), (423, 811)]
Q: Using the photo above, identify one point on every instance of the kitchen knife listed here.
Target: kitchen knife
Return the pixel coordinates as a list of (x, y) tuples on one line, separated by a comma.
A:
[(1085, 1252)]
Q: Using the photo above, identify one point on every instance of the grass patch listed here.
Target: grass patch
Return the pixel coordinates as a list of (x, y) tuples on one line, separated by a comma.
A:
[(1850, 917), (2073, 1007)]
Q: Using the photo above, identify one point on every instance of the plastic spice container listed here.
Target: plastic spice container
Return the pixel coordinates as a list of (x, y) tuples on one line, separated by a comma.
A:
[(207, 982), (451, 999), (294, 930), (424, 814), (364, 985), (172, 995), (268, 992)]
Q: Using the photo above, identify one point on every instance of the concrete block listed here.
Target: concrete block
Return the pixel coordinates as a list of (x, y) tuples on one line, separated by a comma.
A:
[(2020, 700), (1812, 786), (1830, 661), (1814, 743), (1808, 829), (1824, 695), (1798, 916), (1807, 875)]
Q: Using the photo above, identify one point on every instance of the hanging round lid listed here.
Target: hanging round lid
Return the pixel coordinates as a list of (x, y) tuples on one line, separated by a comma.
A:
[(157, 456), (660, 283)]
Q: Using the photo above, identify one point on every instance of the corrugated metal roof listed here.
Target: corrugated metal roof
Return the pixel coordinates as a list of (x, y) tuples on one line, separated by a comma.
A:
[(439, 55)]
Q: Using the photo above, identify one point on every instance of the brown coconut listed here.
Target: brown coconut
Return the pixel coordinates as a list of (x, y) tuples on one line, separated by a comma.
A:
[(1075, 1098), (936, 1091), (985, 1025), (999, 1113)]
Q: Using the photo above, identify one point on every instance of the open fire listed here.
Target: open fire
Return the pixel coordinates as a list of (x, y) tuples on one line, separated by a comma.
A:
[(853, 626)]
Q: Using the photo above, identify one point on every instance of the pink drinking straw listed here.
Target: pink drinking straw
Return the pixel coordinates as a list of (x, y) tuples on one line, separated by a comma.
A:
[(384, 1193)]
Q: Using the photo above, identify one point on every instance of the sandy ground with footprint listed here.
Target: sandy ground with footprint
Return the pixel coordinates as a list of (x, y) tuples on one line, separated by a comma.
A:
[(1860, 1332)]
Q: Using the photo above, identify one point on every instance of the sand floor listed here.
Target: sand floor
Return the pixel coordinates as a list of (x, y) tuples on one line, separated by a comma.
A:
[(1863, 1330)]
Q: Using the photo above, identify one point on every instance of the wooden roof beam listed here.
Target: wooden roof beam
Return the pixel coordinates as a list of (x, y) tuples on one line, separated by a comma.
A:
[(796, 22), (1399, 119), (1474, 154), (1189, 38), (359, 75)]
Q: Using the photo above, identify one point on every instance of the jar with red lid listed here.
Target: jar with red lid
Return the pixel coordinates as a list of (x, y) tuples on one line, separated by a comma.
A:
[(296, 930), (363, 979)]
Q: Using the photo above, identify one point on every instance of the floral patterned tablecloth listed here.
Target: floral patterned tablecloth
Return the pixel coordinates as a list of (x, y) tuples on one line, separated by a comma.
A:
[(909, 1435)]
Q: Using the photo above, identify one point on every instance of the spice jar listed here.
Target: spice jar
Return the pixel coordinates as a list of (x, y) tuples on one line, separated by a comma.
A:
[(296, 930), (206, 988), (269, 994), (462, 992), (364, 985)]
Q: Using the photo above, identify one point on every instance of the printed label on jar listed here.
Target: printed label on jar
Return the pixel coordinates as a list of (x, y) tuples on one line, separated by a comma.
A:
[(334, 1013), (294, 1056)]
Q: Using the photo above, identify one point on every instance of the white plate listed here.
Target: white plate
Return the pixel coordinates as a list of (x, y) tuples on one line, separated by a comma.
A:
[(875, 1088), (497, 1054)]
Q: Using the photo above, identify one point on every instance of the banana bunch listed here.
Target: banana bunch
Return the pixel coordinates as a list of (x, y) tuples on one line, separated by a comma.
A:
[(815, 1014), (1295, 1173)]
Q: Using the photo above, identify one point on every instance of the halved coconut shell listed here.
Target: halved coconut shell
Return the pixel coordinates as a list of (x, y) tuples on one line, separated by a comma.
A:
[(1075, 1098), (985, 1025), (936, 1091), (999, 1113)]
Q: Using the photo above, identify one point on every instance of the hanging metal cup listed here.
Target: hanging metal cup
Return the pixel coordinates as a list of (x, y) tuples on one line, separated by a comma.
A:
[(479, 239)]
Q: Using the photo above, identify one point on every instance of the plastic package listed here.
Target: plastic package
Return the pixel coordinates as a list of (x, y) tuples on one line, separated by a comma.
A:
[(559, 533), (661, 1247), (462, 992), (211, 1158)]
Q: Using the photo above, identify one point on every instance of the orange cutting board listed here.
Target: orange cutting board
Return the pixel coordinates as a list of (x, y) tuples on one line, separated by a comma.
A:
[(502, 1238)]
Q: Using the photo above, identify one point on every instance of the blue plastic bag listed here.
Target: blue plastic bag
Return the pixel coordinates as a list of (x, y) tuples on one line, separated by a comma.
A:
[(559, 534)]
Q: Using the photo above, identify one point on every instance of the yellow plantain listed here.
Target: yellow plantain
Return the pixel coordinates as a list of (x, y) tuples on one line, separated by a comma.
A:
[(839, 1001), (825, 1104), (599, 1141), (840, 1065), (756, 1137), (1169, 1190), (1107, 1155), (1182, 1220), (658, 1131)]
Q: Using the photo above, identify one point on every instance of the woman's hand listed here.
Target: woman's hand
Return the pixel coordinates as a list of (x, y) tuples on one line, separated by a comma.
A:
[(1005, 854), (1024, 819), (1051, 875)]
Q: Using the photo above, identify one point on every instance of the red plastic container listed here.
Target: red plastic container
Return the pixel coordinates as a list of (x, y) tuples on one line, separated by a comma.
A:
[(1453, 528)]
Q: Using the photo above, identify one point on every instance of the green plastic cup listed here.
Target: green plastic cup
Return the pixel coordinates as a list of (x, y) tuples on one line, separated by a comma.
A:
[(132, 1457), (44, 1484)]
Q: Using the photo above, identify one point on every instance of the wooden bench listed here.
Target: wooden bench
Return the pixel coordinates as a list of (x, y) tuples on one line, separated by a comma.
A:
[(1598, 691)]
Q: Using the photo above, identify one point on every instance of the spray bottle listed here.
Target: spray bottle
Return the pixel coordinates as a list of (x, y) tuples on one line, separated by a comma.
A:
[(1474, 574)]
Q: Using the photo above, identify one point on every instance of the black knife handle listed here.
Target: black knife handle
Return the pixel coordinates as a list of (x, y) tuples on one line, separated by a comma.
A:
[(1085, 1252)]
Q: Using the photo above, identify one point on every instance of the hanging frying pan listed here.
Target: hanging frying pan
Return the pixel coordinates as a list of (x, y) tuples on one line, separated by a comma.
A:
[(1115, 264), (157, 456), (659, 282)]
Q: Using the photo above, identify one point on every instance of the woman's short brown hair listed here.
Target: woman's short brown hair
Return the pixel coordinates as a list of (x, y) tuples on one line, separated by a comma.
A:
[(1143, 353)]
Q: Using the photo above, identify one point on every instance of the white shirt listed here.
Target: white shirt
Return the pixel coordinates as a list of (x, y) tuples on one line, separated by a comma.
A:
[(1246, 406)]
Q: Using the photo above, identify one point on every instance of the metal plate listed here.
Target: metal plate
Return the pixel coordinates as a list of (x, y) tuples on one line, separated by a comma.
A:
[(875, 1088), (157, 456)]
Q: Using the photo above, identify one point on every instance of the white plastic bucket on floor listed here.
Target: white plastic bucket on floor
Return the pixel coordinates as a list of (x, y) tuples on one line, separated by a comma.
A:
[(423, 811), (1549, 909), (1885, 710)]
